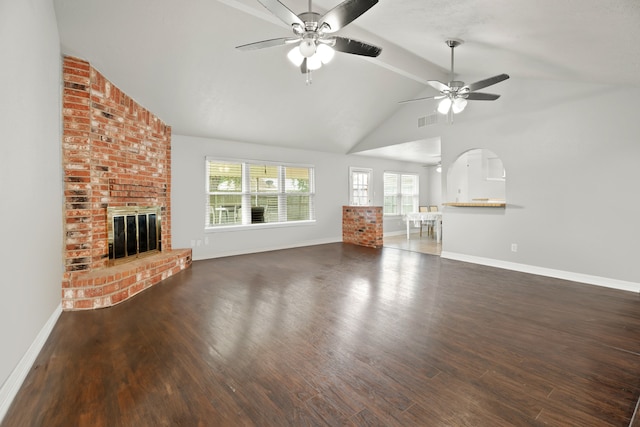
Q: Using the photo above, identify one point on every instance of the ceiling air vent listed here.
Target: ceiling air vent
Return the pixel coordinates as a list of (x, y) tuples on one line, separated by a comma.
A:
[(431, 119)]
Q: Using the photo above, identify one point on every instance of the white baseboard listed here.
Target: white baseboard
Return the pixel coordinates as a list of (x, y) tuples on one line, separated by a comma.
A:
[(14, 381), (548, 272), (200, 257)]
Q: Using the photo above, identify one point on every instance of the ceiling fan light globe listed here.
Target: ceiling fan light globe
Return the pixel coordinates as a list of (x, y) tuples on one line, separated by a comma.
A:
[(444, 106), (326, 53), (295, 56), (458, 105), (314, 62), (307, 48)]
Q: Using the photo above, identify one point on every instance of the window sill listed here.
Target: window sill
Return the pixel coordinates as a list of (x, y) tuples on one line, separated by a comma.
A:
[(265, 225)]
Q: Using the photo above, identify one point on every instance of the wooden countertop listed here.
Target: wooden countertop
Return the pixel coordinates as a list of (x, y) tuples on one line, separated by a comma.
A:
[(476, 204)]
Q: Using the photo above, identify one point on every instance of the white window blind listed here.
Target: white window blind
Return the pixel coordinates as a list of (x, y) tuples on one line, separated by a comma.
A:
[(249, 192), (401, 193)]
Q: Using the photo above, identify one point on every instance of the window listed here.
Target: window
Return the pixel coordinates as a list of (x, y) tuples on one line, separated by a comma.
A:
[(359, 182), (249, 192), (400, 193)]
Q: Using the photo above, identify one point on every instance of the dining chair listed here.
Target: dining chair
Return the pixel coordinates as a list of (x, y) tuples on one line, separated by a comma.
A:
[(426, 223), (257, 214)]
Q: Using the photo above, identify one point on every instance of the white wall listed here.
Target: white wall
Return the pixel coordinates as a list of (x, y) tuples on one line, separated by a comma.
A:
[(572, 180), (332, 173), (30, 175), (571, 152), (434, 190)]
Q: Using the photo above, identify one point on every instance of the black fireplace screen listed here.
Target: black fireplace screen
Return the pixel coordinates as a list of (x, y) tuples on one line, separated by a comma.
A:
[(133, 231)]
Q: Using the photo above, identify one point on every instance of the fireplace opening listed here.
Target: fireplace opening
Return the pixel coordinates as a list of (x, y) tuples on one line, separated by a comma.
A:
[(133, 231)]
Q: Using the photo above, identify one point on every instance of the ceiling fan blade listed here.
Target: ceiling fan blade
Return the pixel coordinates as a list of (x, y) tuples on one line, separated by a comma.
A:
[(282, 12), (479, 96), (268, 43), (344, 13), (439, 86), (421, 99), (487, 82), (355, 47), (303, 66)]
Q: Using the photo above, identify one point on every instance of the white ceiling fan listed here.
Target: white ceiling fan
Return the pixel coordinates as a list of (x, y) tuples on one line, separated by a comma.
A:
[(313, 33), (454, 96)]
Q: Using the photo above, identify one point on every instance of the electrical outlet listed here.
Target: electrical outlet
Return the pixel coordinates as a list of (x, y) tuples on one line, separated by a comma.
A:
[(514, 247)]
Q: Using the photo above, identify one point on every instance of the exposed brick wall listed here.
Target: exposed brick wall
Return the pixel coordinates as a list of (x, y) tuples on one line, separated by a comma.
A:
[(362, 225), (115, 153)]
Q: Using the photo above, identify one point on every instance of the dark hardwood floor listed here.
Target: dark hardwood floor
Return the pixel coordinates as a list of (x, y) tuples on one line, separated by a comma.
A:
[(342, 335)]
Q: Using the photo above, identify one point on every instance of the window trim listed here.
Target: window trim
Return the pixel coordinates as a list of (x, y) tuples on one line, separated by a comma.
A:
[(244, 227), (357, 169), (246, 193)]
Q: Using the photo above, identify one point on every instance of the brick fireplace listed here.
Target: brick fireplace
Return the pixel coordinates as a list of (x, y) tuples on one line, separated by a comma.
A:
[(115, 154)]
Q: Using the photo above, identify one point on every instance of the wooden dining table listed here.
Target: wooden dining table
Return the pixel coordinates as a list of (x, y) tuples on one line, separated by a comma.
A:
[(419, 218)]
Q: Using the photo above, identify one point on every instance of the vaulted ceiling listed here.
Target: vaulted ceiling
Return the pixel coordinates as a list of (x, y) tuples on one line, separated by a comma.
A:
[(179, 60)]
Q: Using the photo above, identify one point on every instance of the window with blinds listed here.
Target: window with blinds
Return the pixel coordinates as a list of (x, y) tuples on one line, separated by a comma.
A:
[(249, 192), (401, 193)]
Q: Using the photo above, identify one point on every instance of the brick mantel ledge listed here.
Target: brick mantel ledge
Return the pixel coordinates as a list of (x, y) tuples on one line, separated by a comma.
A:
[(105, 287)]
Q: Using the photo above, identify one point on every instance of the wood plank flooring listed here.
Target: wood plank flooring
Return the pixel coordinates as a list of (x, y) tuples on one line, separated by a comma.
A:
[(424, 244), (342, 335)]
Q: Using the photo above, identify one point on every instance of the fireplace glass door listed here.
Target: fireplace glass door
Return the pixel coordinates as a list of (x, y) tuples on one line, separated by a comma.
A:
[(133, 232)]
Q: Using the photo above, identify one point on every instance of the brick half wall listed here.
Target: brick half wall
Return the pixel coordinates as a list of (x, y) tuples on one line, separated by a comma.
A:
[(362, 225)]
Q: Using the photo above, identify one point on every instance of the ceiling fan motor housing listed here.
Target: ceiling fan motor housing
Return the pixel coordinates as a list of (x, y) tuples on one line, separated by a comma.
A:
[(310, 20)]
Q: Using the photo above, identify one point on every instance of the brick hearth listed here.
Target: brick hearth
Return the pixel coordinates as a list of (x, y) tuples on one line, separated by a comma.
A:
[(105, 287), (115, 153)]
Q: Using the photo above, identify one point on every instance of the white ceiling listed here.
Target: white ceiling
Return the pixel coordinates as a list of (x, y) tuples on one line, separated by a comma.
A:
[(178, 59)]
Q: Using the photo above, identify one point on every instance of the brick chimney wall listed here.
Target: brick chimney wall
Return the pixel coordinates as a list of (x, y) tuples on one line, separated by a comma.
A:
[(115, 153)]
